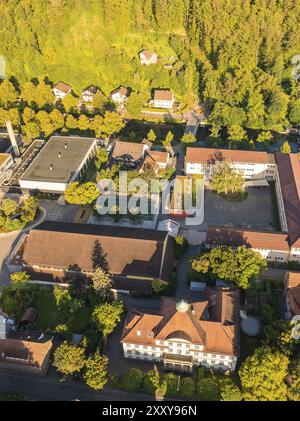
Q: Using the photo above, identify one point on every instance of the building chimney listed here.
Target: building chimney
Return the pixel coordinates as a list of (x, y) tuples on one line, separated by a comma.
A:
[(59, 154), (12, 139), (51, 167), (66, 145)]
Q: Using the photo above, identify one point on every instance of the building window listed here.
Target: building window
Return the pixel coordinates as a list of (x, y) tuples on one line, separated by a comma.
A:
[(138, 333)]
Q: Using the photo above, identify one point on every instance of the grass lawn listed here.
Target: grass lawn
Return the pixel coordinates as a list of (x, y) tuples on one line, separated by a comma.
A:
[(50, 315)]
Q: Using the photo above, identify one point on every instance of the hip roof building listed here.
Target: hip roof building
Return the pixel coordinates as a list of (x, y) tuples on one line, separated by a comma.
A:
[(185, 334)]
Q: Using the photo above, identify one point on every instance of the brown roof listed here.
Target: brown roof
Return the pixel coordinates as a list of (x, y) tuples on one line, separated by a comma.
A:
[(154, 158), (288, 166), (24, 352), (30, 315), (222, 236), (292, 284), (128, 149), (123, 251), (205, 322), (63, 87), (148, 54), (4, 157), (210, 155), (163, 95), (121, 90)]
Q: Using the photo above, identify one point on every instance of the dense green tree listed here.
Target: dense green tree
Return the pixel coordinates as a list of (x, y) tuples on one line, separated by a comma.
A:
[(236, 133), (95, 374), (172, 382), (71, 122), (112, 123), (132, 379), (241, 265), (208, 389), (135, 103), (187, 387), (295, 112), (99, 102), (69, 359), (264, 137), (81, 194), (263, 376), (70, 103), (8, 93), (107, 315), (229, 391), (16, 297), (8, 206), (83, 122)]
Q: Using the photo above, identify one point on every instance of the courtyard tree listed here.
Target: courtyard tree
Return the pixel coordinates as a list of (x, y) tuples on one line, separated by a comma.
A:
[(99, 102), (69, 359), (187, 387), (278, 335), (295, 112), (285, 147), (241, 265), (102, 282), (226, 180), (263, 376), (107, 316), (95, 371), (81, 194)]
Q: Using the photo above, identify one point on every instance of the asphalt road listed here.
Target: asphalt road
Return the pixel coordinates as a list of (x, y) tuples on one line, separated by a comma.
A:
[(44, 389)]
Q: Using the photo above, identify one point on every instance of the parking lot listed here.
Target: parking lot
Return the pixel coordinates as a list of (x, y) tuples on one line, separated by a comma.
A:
[(255, 212)]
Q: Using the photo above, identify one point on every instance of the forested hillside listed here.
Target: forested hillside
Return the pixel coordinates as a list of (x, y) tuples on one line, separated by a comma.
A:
[(235, 55)]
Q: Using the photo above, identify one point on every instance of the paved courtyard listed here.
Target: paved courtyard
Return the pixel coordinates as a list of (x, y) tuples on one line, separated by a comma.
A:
[(255, 212)]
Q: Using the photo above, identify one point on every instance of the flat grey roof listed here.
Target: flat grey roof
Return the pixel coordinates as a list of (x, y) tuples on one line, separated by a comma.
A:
[(72, 151)]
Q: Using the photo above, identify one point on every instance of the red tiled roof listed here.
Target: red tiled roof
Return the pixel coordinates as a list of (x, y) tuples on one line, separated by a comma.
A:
[(210, 155), (163, 95), (218, 333), (223, 236), (292, 285), (130, 149), (288, 166)]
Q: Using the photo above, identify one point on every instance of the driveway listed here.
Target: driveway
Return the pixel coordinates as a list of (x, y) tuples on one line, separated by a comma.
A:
[(6, 245)]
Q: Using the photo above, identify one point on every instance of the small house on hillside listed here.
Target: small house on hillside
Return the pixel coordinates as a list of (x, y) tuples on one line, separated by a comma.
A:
[(163, 99), (61, 89), (129, 153), (120, 95), (148, 57), (87, 95)]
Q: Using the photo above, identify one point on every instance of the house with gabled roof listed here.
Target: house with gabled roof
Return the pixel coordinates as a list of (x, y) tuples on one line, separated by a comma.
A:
[(148, 57), (186, 334), (61, 89), (292, 293), (163, 98), (119, 95)]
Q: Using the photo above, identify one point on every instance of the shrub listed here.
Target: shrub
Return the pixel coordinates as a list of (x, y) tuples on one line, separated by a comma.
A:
[(187, 387), (133, 379), (158, 286), (230, 391), (171, 381), (208, 389), (151, 382)]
